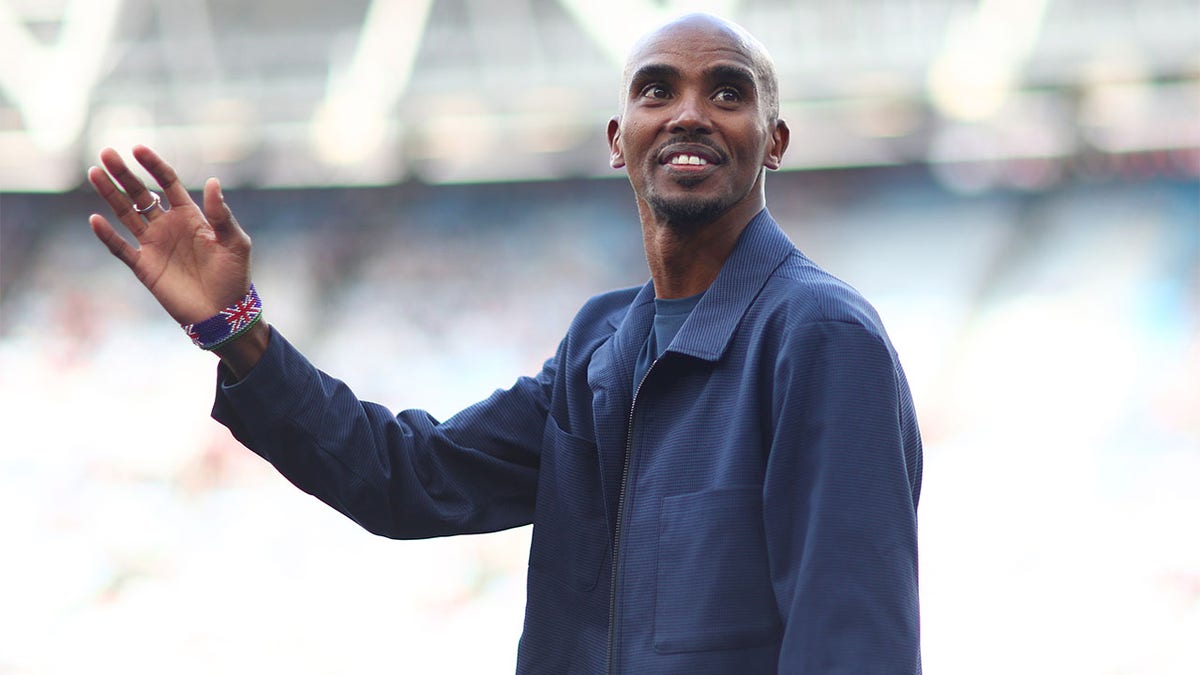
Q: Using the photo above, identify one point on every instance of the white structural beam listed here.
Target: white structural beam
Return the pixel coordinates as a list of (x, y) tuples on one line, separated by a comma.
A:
[(351, 123), (983, 56), (52, 85)]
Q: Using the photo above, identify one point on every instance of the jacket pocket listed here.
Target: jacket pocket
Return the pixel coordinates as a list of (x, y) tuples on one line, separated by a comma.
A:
[(570, 533), (714, 586)]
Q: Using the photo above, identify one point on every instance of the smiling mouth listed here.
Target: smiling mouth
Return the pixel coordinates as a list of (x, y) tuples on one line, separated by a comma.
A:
[(687, 160), (689, 156)]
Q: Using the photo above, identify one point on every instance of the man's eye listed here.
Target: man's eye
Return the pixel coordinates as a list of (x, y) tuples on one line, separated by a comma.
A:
[(728, 95), (655, 91)]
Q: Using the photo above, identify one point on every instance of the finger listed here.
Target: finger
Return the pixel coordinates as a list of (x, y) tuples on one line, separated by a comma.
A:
[(164, 174), (133, 186), (117, 200), (219, 215), (109, 237)]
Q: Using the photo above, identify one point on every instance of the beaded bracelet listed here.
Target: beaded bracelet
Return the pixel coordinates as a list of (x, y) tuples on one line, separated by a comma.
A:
[(230, 323)]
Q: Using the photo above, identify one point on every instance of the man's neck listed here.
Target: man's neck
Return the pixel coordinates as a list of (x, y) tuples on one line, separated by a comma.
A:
[(684, 261)]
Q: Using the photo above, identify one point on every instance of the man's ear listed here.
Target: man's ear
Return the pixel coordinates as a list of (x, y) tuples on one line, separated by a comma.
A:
[(780, 137), (616, 159)]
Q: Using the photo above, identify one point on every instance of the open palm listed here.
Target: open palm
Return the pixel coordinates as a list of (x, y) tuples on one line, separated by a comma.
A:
[(194, 261)]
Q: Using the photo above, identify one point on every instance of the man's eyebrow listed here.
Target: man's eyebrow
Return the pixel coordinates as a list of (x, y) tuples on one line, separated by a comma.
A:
[(738, 75), (652, 72)]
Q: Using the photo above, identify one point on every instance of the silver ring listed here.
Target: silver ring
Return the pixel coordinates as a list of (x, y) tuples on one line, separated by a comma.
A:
[(149, 207)]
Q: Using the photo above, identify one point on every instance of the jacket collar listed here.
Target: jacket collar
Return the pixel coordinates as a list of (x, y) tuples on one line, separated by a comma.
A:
[(706, 334), (760, 249)]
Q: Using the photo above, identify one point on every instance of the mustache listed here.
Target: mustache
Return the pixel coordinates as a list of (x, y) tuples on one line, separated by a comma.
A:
[(691, 139)]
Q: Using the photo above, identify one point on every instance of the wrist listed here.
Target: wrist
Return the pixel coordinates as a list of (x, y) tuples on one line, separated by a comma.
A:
[(237, 333), (227, 324), (243, 352)]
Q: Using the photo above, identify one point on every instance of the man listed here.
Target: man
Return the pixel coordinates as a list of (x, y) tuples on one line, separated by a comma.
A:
[(721, 467)]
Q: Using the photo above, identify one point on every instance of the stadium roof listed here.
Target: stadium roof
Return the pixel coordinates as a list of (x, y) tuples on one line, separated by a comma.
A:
[(307, 92)]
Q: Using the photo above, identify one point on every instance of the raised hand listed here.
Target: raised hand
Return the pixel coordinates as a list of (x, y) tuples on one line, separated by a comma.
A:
[(195, 262)]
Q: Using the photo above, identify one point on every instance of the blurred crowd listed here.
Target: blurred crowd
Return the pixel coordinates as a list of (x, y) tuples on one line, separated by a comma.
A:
[(1052, 340)]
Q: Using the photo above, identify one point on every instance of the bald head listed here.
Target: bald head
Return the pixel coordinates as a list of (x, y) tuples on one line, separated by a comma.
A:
[(738, 39)]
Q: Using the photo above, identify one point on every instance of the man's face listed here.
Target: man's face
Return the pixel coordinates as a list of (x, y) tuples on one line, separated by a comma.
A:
[(695, 133)]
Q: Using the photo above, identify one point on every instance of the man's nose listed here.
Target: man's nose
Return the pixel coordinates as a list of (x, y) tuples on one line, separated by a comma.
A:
[(690, 116)]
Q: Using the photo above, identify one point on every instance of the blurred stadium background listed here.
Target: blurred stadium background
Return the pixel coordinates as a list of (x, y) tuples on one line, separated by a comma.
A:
[(1015, 183)]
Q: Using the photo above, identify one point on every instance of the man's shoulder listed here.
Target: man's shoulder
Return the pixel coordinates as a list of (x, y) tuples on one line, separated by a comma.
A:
[(803, 292)]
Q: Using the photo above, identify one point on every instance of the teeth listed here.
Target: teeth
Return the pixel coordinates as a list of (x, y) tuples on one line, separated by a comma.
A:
[(689, 159)]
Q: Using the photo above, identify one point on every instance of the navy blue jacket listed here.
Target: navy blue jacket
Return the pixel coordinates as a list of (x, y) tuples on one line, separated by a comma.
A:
[(753, 511)]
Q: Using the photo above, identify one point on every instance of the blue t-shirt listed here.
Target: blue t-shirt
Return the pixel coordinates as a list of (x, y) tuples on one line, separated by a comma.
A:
[(669, 315)]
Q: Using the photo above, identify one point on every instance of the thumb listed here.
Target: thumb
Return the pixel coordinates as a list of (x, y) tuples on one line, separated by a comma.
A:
[(218, 213)]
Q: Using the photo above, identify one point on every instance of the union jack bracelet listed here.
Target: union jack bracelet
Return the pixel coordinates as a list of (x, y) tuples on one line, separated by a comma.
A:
[(230, 323)]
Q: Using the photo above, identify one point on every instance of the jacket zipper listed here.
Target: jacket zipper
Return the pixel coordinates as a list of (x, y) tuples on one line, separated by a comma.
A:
[(612, 597)]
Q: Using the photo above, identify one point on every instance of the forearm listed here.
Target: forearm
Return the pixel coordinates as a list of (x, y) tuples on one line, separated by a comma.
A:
[(401, 476)]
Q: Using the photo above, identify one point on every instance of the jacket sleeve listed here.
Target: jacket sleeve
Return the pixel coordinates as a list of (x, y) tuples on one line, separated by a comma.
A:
[(840, 499), (401, 476)]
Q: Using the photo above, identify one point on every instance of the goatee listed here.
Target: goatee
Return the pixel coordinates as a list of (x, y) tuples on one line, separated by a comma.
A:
[(687, 212)]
